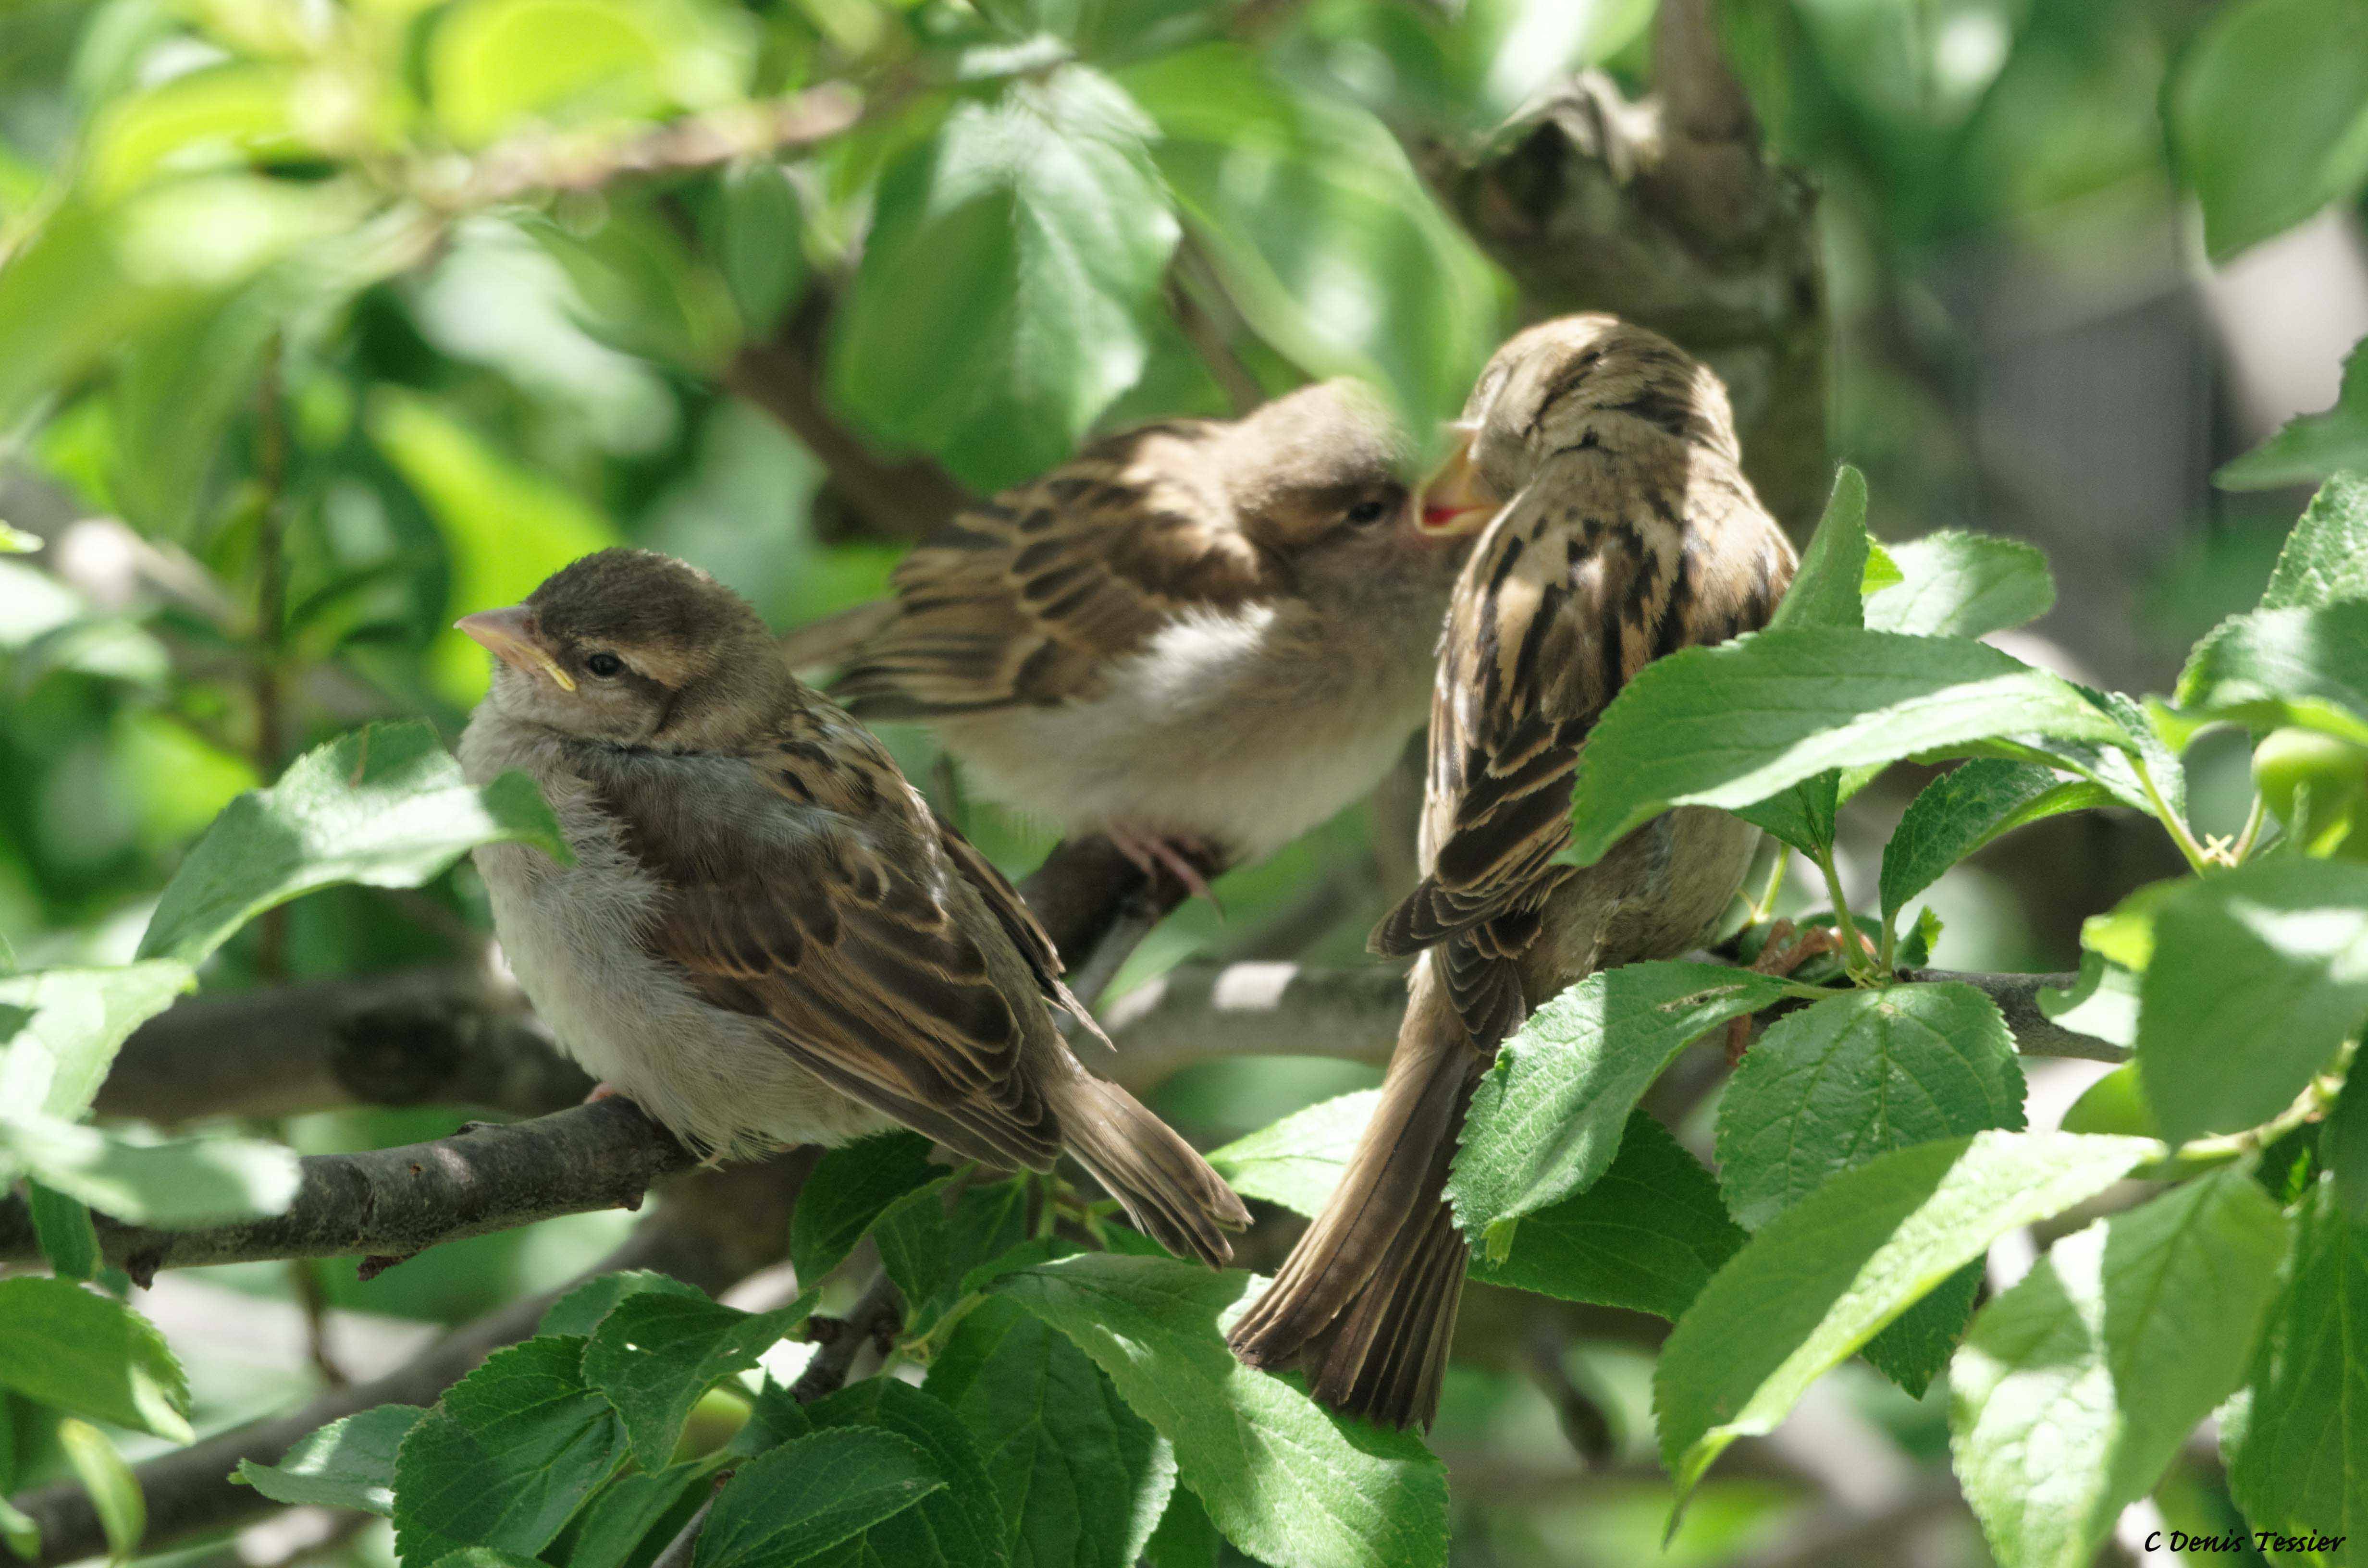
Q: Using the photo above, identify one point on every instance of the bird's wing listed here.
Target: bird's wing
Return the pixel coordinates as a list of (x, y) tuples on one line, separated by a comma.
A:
[(809, 886), (1028, 599), (1615, 554)]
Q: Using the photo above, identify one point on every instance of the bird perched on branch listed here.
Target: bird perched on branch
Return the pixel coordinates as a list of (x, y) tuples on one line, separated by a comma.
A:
[(1621, 529), (1201, 637), (766, 937)]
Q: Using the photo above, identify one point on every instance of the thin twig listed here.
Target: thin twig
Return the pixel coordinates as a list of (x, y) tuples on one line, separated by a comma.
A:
[(876, 1314)]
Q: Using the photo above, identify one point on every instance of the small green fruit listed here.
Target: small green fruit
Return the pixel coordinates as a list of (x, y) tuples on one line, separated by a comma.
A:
[(2317, 785), (2113, 1105)]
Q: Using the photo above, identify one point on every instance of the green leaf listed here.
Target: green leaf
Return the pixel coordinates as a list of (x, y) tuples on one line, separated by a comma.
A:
[(1828, 590), (1319, 231), (2296, 1439), (2257, 974), (995, 312), (1082, 1478), (793, 1503), (2307, 666), (63, 1228), (385, 806), (69, 1023), (494, 63), (1548, 1117), (1286, 1481), (1186, 1537), (2312, 446), (2344, 1150), (90, 1355), (2265, 106), (759, 243), (848, 1188), (960, 1527), (1647, 1234), (1830, 1272), (1733, 724), (2324, 558), (17, 541), (1803, 816), (347, 1464), (22, 1534), (2077, 1385), (1968, 807), (1297, 1162), (1962, 584), (177, 1183), (656, 1353), (507, 1456), (1881, 572), (1829, 1088), (579, 1312), (114, 1491), (2103, 1002), (642, 289), (929, 1252), (621, 1517)]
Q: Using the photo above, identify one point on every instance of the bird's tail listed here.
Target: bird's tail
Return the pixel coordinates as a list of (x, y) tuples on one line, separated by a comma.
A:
[(834, 639), (1167, 1189), (1366, 1302)]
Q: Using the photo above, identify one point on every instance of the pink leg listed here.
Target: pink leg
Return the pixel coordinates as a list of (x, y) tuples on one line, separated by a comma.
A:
[(1152, 853), (601, 1091)]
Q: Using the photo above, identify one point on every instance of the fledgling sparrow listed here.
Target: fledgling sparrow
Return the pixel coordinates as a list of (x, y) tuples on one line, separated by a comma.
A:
[(768, 937), (1627, 530), (1201, 637)]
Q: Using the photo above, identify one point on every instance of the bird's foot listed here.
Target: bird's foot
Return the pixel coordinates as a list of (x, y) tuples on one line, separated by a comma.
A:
[(1786, 950), (601, 1091), (1155, 854)]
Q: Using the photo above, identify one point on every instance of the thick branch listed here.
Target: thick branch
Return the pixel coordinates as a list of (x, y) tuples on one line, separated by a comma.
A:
[(391, 1204)]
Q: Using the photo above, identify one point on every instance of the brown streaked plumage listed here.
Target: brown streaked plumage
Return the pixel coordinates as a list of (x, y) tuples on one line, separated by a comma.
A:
[(767, 937), (1199, 633), (1627, 531)]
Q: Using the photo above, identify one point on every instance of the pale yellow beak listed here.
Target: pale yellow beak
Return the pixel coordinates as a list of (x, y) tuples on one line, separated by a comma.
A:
[(508, 635), (1455, 500)]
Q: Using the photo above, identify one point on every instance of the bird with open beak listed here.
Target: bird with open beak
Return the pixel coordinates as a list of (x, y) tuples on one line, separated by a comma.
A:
[(1621, 528), (1201, 637), (766, 937)]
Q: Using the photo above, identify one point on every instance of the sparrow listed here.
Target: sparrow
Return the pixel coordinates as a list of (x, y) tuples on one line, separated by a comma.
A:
[(766, 937), (1620, 528), (1199, 637)]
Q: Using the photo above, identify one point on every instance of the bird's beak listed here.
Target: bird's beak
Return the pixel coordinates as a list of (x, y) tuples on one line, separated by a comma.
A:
[(1455, 500), (508, 635)]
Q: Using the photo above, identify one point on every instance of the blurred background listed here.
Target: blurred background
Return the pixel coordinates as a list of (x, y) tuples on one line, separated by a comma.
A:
[(324, 321)]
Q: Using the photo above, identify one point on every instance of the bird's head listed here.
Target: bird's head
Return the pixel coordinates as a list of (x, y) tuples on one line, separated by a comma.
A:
[(1548, 390), (632, 647)]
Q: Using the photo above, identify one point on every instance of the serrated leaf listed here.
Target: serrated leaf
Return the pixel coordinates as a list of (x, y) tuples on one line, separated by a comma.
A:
[(959, 1526), (1297, 1162), (507, 1456), (2077, 1386), (1733, 724), (847, 1190), (2256, 976), (2103, 1002), (175, 1182), (797, 1502), (656, 1353), (69, 1023), (2296, 1438), (63, 1229), (621, 1516), (1972, 806), (347, 1464), (89, 1355), (2311, 446), (2324, 558), (1829, 1088), (1962, 584), (1647, 1234), (1827, 1275), (1319, 230), (1285, 1481), (1548, 1117), (1083, 1479), (385, 806), (2305, 666), (1829, 588), (115, 1494), (579, 1312), (2264, 106), (1185, 1538), (929, 1252), (995, 312)]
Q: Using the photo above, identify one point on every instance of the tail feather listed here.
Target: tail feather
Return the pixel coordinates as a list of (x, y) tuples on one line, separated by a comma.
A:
[(1367, 1300), (1167, 1189)]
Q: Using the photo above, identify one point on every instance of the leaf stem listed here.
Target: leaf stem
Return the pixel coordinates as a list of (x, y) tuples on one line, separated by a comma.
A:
[(1764, 908), (2242, 850), (2173, 823), (1853, 955)]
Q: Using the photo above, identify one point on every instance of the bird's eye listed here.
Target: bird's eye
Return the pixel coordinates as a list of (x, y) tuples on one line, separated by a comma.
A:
[(604, 665), (1369, 511)]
